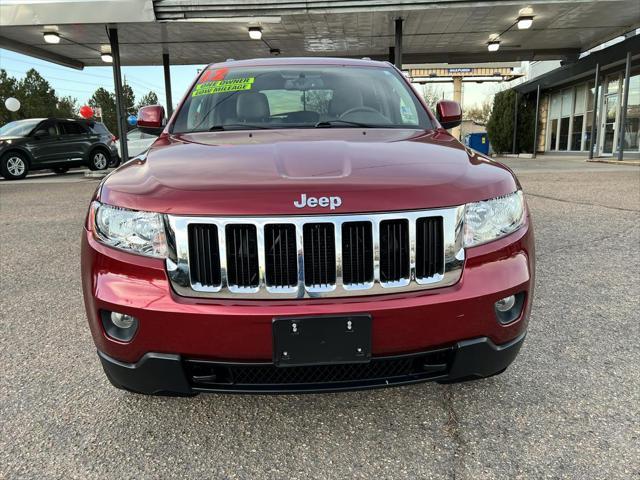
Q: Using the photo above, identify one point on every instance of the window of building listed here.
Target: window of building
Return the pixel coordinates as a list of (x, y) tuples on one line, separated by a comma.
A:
[(632, 122), (554, 114), (565, 121), (577, 123), (589, 118), (553, 138)]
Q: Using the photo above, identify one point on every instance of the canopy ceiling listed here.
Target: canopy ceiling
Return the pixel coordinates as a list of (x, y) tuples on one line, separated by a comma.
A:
[(196, 31)]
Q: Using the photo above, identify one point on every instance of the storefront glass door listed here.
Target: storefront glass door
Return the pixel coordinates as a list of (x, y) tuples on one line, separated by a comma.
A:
[(610, 113), (609, 128)]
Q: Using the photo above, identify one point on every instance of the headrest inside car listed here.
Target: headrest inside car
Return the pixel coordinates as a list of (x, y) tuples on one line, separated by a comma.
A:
[(252, 106)]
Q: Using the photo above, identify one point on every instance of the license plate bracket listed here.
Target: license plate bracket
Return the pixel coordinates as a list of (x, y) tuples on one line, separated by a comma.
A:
[(321, 340)]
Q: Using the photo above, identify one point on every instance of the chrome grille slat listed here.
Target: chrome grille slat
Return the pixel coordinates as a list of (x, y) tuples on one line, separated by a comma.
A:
[(280, 257), (243, 272), (410, 263), (357, 260), (319, 240)]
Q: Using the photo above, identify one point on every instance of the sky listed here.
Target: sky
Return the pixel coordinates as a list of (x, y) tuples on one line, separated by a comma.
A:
[(82, 83)]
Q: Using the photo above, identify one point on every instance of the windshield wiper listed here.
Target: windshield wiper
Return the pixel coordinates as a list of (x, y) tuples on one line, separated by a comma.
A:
[(233, 126), (334, 123)]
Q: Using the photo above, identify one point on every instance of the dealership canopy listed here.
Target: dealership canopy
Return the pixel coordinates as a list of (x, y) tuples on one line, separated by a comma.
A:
[(201, 31)]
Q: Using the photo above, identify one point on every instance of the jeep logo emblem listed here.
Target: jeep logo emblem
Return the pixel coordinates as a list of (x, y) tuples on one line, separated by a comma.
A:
[(313, 202)]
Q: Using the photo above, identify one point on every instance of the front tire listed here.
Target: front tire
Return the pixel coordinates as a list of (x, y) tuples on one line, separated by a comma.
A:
[(98, 160), (14, 166)]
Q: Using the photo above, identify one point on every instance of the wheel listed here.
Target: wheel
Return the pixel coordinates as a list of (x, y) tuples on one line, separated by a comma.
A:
[(14, 166), (98, 160), (60, 170), (114, 162)]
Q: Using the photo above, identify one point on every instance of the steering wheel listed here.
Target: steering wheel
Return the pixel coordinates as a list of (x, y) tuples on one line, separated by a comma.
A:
[(360, 109)]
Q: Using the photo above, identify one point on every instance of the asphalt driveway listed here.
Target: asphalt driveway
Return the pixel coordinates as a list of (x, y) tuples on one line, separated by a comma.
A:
[(567, 408)]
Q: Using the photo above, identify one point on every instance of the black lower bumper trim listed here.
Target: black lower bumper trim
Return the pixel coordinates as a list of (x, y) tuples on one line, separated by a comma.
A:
[(157, 373), (153, 374)]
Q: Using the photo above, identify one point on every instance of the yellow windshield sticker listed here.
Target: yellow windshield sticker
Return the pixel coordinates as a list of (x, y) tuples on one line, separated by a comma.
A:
[(223, 86)]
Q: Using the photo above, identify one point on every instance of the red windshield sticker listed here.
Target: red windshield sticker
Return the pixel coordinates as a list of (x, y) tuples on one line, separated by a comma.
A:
[(214, 75)]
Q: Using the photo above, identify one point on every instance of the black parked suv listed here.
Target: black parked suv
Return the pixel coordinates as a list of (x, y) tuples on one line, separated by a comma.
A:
[(56, 144)]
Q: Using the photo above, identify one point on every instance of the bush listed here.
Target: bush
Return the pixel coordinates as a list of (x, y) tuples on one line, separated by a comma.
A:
[(500, 124)]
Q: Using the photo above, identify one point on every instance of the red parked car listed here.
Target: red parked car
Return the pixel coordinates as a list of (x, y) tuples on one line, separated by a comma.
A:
[(305, 225)]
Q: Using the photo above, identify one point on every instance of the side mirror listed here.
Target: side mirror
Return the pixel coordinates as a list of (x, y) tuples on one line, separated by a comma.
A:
[(449, 114), (151, 119)]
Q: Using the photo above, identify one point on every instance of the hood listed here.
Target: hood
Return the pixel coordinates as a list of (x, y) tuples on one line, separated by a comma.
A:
[(6, 138), (265, 172)]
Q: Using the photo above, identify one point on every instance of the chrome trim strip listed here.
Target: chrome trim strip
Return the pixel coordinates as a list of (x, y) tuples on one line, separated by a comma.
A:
[(178, 261)]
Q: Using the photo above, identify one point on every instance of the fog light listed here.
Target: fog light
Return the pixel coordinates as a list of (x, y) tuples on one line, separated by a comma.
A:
[(122, 320), (119, 326), (505, 304), (509, 309)]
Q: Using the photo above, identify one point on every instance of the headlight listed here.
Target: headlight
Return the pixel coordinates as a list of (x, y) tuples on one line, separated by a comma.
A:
[(491, 219), (137, 232)]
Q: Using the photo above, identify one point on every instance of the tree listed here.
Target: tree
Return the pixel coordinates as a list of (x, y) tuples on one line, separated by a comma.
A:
[(149, 99), (129, 99), (479, 113), (37, 97), (105, 100), (500, 124), (431, 95), (67, 107), (8, 88), (317, 100)]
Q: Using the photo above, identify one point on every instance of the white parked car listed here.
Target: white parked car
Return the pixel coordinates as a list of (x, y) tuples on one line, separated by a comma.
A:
[(137, 142)]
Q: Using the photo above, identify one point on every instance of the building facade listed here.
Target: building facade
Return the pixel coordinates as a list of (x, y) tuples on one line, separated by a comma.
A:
[(569, 103)]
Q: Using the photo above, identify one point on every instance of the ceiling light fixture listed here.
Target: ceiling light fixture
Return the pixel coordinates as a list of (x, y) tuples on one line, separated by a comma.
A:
[(524, 22), (493, 46), (106, 57), (255, 33), (51, 37)]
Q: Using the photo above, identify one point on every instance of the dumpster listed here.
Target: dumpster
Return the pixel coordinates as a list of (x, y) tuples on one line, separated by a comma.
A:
[(478, 141)]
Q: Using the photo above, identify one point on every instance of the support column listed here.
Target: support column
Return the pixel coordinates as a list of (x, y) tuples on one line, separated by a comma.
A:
[(398, 45), (625, 103), (117, 81), (515, 123), (535, 124), (457, 97), (594, 120), (167, 83)]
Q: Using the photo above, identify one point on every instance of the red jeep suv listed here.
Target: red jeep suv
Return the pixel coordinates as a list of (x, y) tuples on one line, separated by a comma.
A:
[(305, 225)]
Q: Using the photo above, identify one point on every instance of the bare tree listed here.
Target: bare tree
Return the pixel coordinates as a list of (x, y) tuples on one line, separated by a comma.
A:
[(479, 113), (431, 94)]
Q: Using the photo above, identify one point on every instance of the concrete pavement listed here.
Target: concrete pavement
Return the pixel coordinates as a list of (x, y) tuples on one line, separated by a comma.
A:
[(567, 408)]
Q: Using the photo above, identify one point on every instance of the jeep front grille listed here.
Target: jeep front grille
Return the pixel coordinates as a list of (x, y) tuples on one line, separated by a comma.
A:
[(394, 251), (315, 256), (242, 256), (203, 249), (281, 256), (319, 255), (357, 253)]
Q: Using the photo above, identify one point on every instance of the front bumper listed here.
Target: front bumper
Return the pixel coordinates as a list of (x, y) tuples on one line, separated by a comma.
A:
[(184, 337), (157, 373)]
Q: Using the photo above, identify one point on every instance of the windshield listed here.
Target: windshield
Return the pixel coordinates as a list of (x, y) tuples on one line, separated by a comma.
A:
[(300, 96), (19, 128)]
